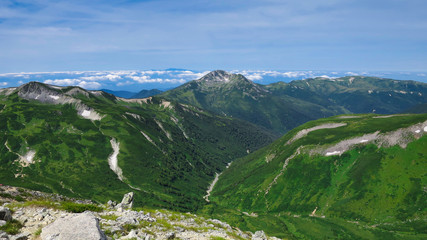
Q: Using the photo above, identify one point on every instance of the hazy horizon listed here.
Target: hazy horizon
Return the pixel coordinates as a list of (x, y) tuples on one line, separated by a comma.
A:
[(136, 80)]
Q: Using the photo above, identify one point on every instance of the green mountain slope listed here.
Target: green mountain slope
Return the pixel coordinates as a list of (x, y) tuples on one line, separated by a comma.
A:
[(234, 95), (357, 94), (351, 177), (67, 140), (146, 93), (283, 106)]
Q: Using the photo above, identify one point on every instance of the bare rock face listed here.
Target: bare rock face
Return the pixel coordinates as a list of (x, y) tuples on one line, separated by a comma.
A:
[(81, 226)]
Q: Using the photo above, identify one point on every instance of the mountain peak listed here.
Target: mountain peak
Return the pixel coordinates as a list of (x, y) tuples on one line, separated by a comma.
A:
[(216, 76), (35, 88), (220, 78)]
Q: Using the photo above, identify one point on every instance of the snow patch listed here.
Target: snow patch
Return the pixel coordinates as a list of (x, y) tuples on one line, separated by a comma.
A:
[(26, 159), (345, 145), (136, 116), (86, 113), (168, 135), (400, 137), (208, 192), (29, 156), (148, 138), (112, 159), (54, 97)]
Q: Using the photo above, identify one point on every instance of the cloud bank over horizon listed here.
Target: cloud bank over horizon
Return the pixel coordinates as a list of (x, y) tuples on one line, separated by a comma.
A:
[(136, 80)]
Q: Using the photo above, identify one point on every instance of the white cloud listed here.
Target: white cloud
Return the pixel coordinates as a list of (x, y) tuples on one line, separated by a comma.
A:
[(124, 83), (74, 82), (90, 85), (351, 73), (63, 82), (3, 83), (110, 77), (421, 75), (20, 82), (174, 80), (324, 76), (191, 75), (141, 79), (152, 72), (254, 77)]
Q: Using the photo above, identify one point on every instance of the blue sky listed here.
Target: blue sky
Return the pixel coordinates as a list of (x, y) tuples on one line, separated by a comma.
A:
[(336, 35)]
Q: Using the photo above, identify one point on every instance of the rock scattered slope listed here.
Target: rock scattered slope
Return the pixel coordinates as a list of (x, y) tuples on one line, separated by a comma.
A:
[(112, 222)]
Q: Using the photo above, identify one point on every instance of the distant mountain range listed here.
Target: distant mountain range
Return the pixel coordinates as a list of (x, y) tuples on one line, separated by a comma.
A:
[(129, 95), (281, 106)]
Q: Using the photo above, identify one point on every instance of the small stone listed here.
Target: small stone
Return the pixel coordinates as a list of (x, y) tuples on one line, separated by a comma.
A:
[(2, 223)]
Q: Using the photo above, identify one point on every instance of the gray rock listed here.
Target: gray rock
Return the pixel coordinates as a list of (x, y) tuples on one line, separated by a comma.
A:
[(3, 235), (5, 214), (127, 220), (111, 204), (81, 226), (21, 236), (115, 229), (127, 201), (2, 223), (170, 235), (259, 235)]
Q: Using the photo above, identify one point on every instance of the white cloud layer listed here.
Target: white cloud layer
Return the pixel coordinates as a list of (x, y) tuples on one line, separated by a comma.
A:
[(74, 82), (134, 80)]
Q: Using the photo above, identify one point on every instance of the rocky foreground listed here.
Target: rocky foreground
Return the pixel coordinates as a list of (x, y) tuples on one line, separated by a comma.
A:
[(28, 214)]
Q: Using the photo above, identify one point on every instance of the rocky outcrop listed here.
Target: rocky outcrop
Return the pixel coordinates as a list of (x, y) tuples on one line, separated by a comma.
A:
[(83, 226), (127, 201), (116, 221), (5, 214)]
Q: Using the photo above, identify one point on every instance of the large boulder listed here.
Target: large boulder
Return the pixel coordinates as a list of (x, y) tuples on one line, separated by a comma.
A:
[(81, 226), (5, 214), (127, 201), (259, 235)]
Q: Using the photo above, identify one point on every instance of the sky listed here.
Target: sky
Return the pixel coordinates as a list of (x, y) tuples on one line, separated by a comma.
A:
[(203, 35)]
